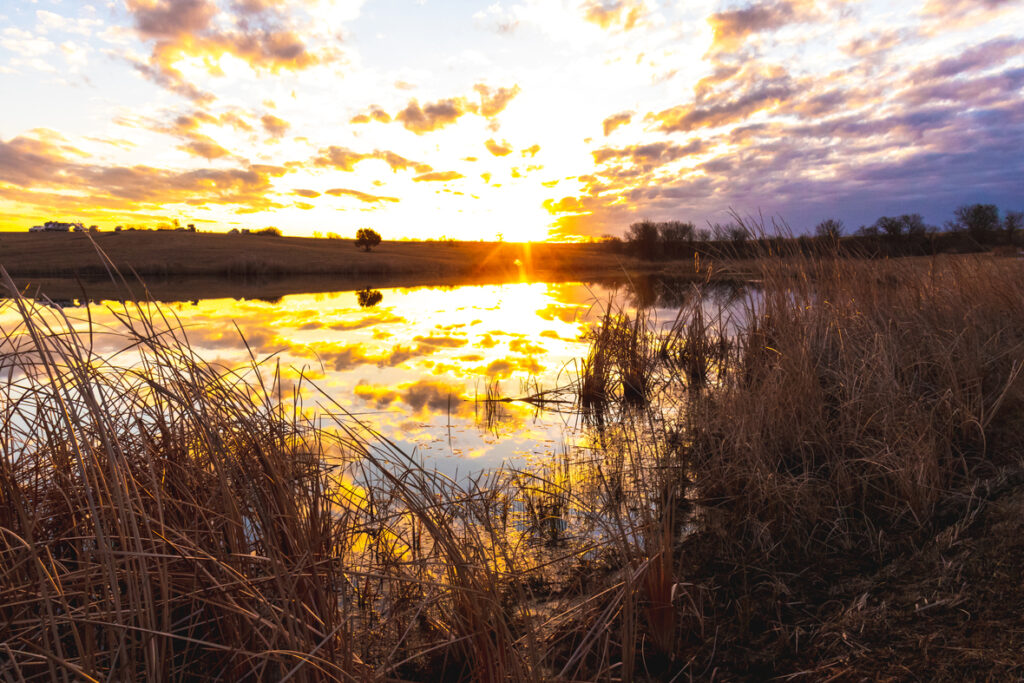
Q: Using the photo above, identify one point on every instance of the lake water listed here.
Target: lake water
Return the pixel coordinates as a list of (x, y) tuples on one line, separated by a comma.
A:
[(411, 363)]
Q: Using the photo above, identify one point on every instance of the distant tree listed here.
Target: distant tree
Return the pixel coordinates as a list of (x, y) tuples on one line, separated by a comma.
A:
[(675, 232), (191, 227), (867, 231), (272, 231), (737, 233), (368, 298), (1012, 224), (914, 225), (890, 226), (977, 220), (612, 242), (317, 234), (367, 238), (830, 229), (643, 238)]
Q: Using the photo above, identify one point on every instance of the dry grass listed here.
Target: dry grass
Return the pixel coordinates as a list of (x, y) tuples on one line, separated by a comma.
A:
[(756, 470), (165, 518)]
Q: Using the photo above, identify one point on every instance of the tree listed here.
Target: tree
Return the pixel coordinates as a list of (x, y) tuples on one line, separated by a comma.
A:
[(1012, 224), (737, 234), (890, 226), (978, 220), (914, 225), (830, 229), (675, 231), (643, 237), (367, 238), (368, 298)]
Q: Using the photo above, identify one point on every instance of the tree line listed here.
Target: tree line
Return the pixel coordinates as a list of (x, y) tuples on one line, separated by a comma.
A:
[(974, 227)]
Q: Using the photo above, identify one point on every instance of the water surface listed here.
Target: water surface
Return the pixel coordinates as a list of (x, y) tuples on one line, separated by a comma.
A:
[(414, 363)]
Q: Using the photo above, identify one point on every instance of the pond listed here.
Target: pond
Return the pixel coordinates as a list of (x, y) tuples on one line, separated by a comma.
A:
[(414, 364)]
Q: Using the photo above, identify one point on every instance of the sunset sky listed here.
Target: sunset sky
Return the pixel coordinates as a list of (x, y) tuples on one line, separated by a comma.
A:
[(531, 119)]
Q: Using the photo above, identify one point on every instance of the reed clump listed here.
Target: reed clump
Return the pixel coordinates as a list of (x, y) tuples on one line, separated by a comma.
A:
[(827, 426), (860, 399), (857, 425)]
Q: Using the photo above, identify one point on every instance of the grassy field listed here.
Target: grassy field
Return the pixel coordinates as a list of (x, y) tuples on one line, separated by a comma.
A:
[(168, 253), (818, 480)]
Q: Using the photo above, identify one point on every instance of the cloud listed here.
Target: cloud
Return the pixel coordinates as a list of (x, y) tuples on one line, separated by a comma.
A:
[(729, 97), (653, 154), (732, 27), (171, 18), (441, 341), (525, 347), (380, 318), (423, 396), (26, 161), (309, 194), (361, 196), (956, 9), (494, 100), (498, 149), (438, 176), (263, 34), (375, 114), (616, 120), (564, 205), (622, 14), (274, 126), (990, 53), (344, 159), (433, 116), (504, 368), (202, 146), (36, 164)]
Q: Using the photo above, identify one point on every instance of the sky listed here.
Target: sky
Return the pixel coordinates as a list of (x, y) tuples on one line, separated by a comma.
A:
[(515, 120)]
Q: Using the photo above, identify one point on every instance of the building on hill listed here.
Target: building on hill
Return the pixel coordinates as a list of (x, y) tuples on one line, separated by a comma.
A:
[(57, 226)]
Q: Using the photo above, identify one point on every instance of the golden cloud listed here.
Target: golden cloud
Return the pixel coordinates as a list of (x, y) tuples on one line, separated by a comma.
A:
[(623, 14), (259, 33), (204, 147), (493, 101), (433, 116), (438, 176), (498, 149), (344, 159), (426, 118), (34, 164), (423, 396), (616, 120), (275, 127), (361, 196)]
